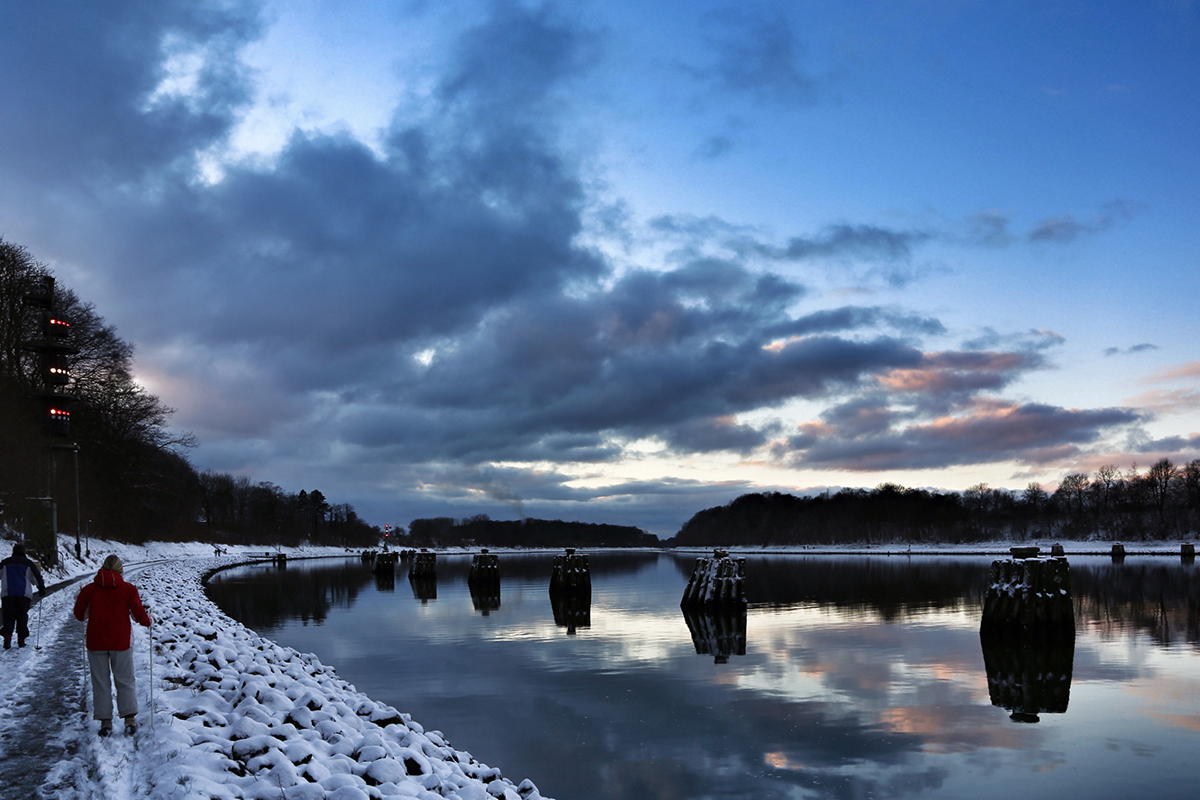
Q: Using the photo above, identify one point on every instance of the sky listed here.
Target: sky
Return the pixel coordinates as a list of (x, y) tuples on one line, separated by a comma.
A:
[(618, 261)]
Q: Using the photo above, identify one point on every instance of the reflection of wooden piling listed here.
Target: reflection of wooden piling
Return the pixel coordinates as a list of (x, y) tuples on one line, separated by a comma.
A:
[(485, 599), (572, 611), (719, 635), (1187, 552), (1029, 594), (385, 580), (1118, 552), (571, 575), (423, 564), (424, 587), (717, 582), (384, 563), (1028, 674)]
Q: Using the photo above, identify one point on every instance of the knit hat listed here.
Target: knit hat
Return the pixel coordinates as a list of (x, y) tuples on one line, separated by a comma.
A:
[(113, 563), (18, 549)]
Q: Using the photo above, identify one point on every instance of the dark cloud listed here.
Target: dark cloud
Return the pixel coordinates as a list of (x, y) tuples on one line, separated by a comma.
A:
[(842, 241), (84, 81), (990, 229), (1066, 228), (755, 56), (849, 318), (1024, 341), (714, 147), (849, 241), (985, 432), (1137, 348)]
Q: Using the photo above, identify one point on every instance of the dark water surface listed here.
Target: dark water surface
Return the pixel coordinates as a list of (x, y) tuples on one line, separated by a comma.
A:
[(848, 677)]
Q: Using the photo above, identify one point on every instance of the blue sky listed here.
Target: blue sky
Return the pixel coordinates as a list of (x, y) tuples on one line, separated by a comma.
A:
[(622, 261)]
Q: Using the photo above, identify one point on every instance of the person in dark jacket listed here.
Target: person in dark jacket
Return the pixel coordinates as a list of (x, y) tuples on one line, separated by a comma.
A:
[(18, 574), (108, 602)]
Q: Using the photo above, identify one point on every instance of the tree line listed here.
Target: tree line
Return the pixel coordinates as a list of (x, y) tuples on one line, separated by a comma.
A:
[(1159, 504), (134, 481), (483, 531)]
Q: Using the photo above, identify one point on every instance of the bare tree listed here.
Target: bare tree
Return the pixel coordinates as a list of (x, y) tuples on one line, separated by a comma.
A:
[(1160, 479)]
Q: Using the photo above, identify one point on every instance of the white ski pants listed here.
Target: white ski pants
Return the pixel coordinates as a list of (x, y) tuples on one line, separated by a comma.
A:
[(109, 667)]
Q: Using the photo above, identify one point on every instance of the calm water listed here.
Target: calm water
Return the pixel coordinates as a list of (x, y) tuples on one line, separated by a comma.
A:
[(848, 677)]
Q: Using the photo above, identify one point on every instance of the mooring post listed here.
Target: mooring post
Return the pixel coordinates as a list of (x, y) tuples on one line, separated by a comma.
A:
[(1187, 552), (423, 565), (571, 575), (1029, 593), (716, 583), (1118, 552)]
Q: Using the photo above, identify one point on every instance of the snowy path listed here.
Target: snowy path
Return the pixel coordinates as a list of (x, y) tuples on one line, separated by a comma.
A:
[(43, 696)]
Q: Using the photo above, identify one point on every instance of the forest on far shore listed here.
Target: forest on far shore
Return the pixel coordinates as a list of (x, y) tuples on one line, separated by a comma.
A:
[(1159, 504)]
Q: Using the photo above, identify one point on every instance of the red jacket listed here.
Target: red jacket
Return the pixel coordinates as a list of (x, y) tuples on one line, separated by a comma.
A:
[(108, 602)]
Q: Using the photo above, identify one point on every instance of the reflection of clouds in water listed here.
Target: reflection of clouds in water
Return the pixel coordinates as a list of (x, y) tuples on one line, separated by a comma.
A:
[(820, 653)]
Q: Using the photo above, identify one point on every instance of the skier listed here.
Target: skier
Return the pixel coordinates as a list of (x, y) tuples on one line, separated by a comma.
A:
[(18, 574), (108, 602)]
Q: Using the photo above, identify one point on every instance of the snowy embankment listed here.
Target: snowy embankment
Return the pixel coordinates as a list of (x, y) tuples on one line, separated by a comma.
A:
[(224, 713), (239, 716)]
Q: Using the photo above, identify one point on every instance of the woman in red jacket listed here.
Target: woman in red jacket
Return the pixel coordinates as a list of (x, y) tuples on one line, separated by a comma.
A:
[(108, 602)]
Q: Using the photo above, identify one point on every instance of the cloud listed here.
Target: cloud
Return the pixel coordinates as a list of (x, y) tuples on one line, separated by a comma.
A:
[(990, 229), (1025, 341), (986, 431), (1066, 228), (1137, 348), (1188, 371), (756, 56)]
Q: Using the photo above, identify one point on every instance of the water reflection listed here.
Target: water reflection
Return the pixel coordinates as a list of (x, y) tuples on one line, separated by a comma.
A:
[(854, 677), (717, 634), (385, 580), (424, 587), (264, 597), (485, 597), (572, 611), (1028, 674)]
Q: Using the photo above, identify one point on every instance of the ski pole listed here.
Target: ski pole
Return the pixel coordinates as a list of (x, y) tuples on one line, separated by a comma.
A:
[(37, 642), (150, 636)]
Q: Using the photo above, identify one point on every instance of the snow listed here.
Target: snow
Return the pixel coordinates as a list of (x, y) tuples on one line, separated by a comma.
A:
[(228, 714)]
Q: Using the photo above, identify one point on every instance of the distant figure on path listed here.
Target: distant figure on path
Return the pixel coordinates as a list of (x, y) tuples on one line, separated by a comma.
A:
[(18, 574), (108, 602)]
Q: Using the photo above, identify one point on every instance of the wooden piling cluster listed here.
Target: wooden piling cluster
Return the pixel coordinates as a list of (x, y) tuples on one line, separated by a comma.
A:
[(385, 562), (1030, 594), (423, 565), (716, 583), (485, 569), (571, 575)]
